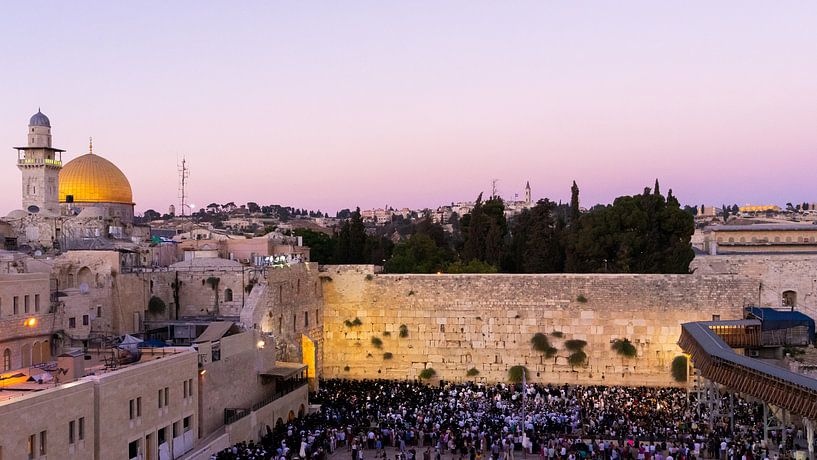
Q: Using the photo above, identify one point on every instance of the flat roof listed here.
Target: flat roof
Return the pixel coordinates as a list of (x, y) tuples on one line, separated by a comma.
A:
[(283, 372)]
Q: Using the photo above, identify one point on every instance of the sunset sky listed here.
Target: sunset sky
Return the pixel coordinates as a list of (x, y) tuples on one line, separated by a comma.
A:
[(329, 105)]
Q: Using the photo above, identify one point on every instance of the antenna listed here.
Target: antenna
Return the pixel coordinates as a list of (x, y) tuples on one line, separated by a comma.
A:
[(184, 174)]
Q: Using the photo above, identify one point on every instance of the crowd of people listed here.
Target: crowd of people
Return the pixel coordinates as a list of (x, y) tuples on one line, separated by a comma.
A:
[(372, 419)]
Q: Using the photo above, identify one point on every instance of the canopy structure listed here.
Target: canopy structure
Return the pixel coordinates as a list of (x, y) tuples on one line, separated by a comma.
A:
[(773, 320)]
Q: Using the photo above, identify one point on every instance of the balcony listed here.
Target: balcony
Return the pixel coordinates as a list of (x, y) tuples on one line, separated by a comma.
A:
[(39, 162)]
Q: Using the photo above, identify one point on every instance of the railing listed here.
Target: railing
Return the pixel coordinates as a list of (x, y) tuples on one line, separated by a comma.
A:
[(38, 162), (235, 414)]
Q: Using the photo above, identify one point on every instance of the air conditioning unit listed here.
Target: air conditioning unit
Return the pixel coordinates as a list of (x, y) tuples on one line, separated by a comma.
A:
[(754, 353)]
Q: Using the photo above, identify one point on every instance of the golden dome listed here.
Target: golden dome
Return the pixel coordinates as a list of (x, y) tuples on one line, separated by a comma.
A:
[(93, 179)]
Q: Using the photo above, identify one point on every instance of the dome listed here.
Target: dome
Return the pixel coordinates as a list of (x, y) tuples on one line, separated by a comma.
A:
[(93, 179), (39, 119)]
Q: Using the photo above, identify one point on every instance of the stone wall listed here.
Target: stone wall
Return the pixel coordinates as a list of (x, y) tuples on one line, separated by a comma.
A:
[(459, 322), (774, 273), (292, 311)]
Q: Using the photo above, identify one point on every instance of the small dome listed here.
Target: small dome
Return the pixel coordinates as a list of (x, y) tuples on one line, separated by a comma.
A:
[(39, 119), (92, 179)]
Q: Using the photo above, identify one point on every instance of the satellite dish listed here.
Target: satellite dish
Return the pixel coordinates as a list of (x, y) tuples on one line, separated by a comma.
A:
[(38, 253), (83, 288), (33, 209)]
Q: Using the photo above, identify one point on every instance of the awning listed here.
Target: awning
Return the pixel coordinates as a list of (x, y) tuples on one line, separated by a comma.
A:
[(215, 331), (283, 372)]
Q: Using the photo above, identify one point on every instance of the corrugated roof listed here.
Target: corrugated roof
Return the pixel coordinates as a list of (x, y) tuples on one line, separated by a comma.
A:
[(716, 347)]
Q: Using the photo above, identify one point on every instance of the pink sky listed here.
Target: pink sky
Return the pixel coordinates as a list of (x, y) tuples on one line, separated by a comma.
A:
[(416, 104)]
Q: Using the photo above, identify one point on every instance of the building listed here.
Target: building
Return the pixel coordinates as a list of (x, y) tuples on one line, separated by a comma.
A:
[(86, 203), (91, 181), (757, 238), (40, 164)]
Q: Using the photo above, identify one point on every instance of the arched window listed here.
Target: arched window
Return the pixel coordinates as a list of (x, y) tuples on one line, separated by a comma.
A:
[(789, 299), (228, 295), (6, 360)]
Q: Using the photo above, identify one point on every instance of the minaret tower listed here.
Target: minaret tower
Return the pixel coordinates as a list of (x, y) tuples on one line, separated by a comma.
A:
[(40, 164), (527, 193)]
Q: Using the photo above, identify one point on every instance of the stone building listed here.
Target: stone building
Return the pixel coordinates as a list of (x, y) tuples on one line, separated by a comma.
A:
[(760, 238), (86, 203)]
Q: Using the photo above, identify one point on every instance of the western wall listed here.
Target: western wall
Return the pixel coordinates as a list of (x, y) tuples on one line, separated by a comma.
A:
[(458, 322)]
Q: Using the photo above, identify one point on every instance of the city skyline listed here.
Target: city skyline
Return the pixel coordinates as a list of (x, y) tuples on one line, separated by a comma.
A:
[(329, 107)]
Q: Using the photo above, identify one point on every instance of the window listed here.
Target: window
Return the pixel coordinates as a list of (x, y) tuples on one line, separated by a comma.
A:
[(294, 322), (317, 317), (99, 311), (32, 440), (36, 302), (139, 407), (133, 449), (131, 409), (167, 396), (6, 360), (86, 320), (71, 432), (16, 302), (43, 445), (228, 295), (716, 317), (186, 423), (184, 389), (280, 324), (72, 323), (161, 398), (82, 428), (25, 303), (789, 299), (306, 319)]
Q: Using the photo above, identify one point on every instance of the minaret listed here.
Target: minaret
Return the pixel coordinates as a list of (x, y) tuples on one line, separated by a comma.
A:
[(40, 165), (527, 193)]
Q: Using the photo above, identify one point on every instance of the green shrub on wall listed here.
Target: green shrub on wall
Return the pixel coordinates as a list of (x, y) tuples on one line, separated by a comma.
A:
[(156, 305), (427, 373), (575, 345), (679, 369), (473, 372), (540, 342), (515, 373), (577, 358), (624, 348)]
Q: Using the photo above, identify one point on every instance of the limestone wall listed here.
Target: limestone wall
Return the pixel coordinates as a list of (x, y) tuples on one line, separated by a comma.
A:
[(775, 274), (459, 322)]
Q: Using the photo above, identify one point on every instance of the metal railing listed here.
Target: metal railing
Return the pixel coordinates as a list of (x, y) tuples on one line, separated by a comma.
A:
[(232, 415)]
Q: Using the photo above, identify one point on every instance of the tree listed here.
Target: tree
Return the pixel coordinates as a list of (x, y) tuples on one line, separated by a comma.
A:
[(536, 246), (253, 207), (321, 246), (150, 215), (419, 254), (636, 234), (351, 242), (574, 203), (485, 230), (656, 189)]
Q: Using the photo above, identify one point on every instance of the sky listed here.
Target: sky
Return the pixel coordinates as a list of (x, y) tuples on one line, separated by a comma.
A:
[(331, 105)]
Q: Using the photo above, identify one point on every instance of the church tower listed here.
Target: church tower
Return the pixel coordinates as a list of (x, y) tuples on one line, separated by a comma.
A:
[(527, 194), (40, 164)]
